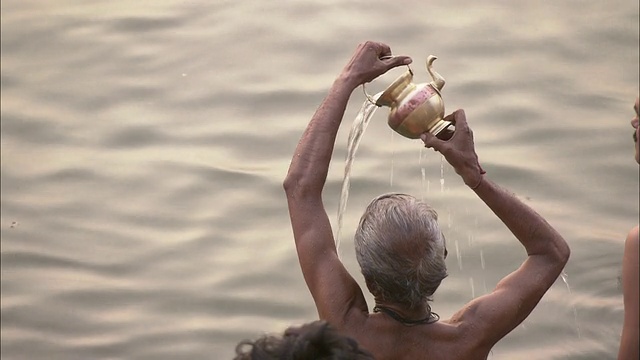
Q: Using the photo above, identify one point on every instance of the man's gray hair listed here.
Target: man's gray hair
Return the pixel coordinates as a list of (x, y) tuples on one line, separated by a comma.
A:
[(401, 249)]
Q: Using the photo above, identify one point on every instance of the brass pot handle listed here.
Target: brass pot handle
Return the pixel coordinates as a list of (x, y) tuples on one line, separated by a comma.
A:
[(364, 90)]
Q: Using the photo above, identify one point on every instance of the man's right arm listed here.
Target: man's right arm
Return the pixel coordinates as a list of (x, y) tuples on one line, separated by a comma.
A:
[(494, 315)]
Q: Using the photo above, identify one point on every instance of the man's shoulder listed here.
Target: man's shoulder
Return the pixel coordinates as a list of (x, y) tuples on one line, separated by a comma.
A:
[(444, 339)]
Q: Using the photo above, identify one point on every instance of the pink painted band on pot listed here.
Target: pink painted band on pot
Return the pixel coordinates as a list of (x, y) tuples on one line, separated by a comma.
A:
[(407, 108)]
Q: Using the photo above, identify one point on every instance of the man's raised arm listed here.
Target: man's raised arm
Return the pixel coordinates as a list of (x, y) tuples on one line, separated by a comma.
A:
[(496, 314), (334, 291)]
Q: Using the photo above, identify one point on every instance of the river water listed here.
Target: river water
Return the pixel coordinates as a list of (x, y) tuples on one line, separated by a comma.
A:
[(144, 144)]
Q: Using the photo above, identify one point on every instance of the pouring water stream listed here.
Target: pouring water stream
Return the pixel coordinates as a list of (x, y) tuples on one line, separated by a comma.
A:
[(355, 135)]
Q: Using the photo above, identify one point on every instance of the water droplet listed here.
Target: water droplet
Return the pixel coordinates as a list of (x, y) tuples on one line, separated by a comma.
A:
[(424, 176), (565, 278), (393, 148), (458, 255), (442, 174)]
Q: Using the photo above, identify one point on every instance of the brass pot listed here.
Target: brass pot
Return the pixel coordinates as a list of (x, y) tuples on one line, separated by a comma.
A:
[(416, 108)]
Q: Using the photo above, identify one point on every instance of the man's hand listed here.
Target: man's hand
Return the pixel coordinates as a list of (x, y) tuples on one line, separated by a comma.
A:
[(370, 60), (459, 150)]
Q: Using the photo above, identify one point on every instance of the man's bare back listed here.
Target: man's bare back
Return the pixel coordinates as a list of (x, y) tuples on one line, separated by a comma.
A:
[(441, 340), (400, 247)]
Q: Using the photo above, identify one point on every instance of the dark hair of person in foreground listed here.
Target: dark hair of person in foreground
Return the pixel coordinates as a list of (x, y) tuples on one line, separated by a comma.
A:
[(315, 340)]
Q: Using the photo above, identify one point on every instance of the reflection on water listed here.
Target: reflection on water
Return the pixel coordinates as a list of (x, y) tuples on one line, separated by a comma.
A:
[(143, 146)]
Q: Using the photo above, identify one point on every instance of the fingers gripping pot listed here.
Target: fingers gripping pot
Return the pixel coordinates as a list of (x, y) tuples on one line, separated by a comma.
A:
[(416, 108)]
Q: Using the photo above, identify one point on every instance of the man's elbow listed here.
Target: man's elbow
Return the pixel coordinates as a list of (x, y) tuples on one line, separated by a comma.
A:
[(556, 253), (289, 184), (293, 181), (562, 252)]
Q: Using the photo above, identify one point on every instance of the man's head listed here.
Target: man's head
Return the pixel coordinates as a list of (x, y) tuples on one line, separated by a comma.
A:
[(401, 250), (315, 340), (636, 134)]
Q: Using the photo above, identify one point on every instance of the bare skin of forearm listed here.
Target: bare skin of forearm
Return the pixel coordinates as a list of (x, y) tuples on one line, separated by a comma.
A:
[(309, 167), (535, 234)]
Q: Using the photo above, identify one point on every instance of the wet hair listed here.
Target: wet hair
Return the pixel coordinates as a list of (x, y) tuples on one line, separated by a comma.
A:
[(401, 250), (316, 340)]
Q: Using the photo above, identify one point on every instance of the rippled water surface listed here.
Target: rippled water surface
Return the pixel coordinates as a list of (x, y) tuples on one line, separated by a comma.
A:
[(144, 144)]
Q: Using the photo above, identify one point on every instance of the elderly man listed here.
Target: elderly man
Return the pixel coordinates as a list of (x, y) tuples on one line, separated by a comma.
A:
[(630, 340), (400, 247)]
